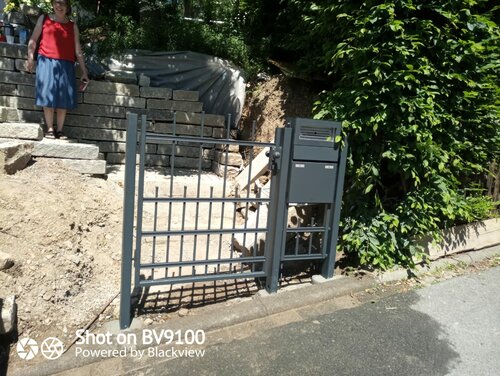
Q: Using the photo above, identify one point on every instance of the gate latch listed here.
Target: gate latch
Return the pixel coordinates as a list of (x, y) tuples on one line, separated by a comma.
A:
[(274, 154)]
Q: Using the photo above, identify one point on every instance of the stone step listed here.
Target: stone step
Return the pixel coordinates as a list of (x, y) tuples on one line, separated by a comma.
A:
[(23, 131), (83, 166), (65, 149)]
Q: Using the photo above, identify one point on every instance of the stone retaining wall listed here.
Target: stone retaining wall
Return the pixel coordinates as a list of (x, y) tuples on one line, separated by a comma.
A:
[(102, 109)]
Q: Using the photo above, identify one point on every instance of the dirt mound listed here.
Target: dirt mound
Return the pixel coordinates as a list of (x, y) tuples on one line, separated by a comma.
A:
[(271, 101), (63, 231)]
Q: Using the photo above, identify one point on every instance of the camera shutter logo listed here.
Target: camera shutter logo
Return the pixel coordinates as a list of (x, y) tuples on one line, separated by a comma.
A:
[(52, 348), (27, 348)]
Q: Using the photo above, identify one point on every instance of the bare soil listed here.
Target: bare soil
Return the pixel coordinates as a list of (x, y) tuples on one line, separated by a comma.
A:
[(63, 231)]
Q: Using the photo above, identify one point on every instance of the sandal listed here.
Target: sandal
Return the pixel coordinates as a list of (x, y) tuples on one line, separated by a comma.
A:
[(50, 134), (61, 136)]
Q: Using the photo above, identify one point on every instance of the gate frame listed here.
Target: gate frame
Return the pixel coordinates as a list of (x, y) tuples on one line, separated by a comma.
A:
[(274, 250)]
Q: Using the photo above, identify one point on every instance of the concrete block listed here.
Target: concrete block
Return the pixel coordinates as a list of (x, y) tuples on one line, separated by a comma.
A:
[(81, 133), (115, 100), (9, 114), (120, 147), (65, 149), (121, 77), (25, 131), (164, 104), (13, 50), (95, 122), (8, 312), (18, 103), (219, 133), (102, 87), (100, 110), (85, 166), (30, 116), (221, 170), (17, 78), (181, 129), (156, 92), (14, 155), (186, 95), (195, 118), (144, 80), (191, 163), (26, 91), (232, 159), (20, 65), (183, 151), (232, 148), (7, 64), (6, 89)]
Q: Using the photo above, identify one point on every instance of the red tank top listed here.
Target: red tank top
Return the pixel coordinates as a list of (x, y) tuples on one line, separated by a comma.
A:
[(57, 40)]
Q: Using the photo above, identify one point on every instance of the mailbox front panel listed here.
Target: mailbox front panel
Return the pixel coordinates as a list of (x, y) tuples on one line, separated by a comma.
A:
[(311, 182)]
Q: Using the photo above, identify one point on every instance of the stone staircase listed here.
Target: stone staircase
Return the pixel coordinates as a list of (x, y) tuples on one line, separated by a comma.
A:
[(19, 142)]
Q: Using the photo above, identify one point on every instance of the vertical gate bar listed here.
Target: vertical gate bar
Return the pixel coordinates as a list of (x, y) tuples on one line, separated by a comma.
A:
[(252, 137), (309, 248), (198, 190), (224, 184), (231, 247), (155, 224), (209, 227), (128, 221), (327, 225), (255, 242), (277, 213), (328, 266), (140, 201), (171, 191), (183, 221), (297, 236)]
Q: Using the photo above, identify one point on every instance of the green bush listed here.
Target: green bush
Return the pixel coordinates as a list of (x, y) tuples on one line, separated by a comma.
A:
[(415, 83)]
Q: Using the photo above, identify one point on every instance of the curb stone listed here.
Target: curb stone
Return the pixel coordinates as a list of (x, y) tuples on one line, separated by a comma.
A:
[(260, 306)]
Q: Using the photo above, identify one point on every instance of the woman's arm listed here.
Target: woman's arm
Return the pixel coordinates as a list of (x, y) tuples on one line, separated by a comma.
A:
[(79, 55), (37, 31)]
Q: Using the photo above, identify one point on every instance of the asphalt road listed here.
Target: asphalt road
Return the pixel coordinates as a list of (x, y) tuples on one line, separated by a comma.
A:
[(450, 328)]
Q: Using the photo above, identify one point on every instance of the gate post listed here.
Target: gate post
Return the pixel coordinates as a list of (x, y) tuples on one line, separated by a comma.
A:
[(128, 222), (276, 222), (328, 266)]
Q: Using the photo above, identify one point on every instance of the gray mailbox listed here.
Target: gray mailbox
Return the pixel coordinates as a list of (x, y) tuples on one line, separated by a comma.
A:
[(308, 167), (314, 161)]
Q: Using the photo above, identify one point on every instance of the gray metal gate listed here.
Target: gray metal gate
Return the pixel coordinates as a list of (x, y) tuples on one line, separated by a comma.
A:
[(189, 229)]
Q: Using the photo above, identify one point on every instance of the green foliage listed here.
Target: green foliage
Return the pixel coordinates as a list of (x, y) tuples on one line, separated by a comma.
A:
[(416, 85)]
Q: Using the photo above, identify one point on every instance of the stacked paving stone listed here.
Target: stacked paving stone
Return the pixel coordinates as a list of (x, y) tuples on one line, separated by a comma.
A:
[(102, 110)]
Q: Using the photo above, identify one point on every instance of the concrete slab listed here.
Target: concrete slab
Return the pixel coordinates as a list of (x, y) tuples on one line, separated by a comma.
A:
[(25, 131), (86, 166), (65, 149)]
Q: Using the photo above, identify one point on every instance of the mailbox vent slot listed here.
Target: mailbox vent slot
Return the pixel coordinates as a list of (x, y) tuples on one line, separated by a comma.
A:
[(316, 134)]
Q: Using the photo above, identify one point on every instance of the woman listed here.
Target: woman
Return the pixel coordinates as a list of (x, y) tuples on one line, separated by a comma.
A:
[(55, 72)]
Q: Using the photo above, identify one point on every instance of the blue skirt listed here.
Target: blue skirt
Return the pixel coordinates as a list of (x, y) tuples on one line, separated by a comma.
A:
[(55, 83)]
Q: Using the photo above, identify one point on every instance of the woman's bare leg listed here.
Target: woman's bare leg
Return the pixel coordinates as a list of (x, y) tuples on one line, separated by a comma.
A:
[(61, 116), (48, 113)]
